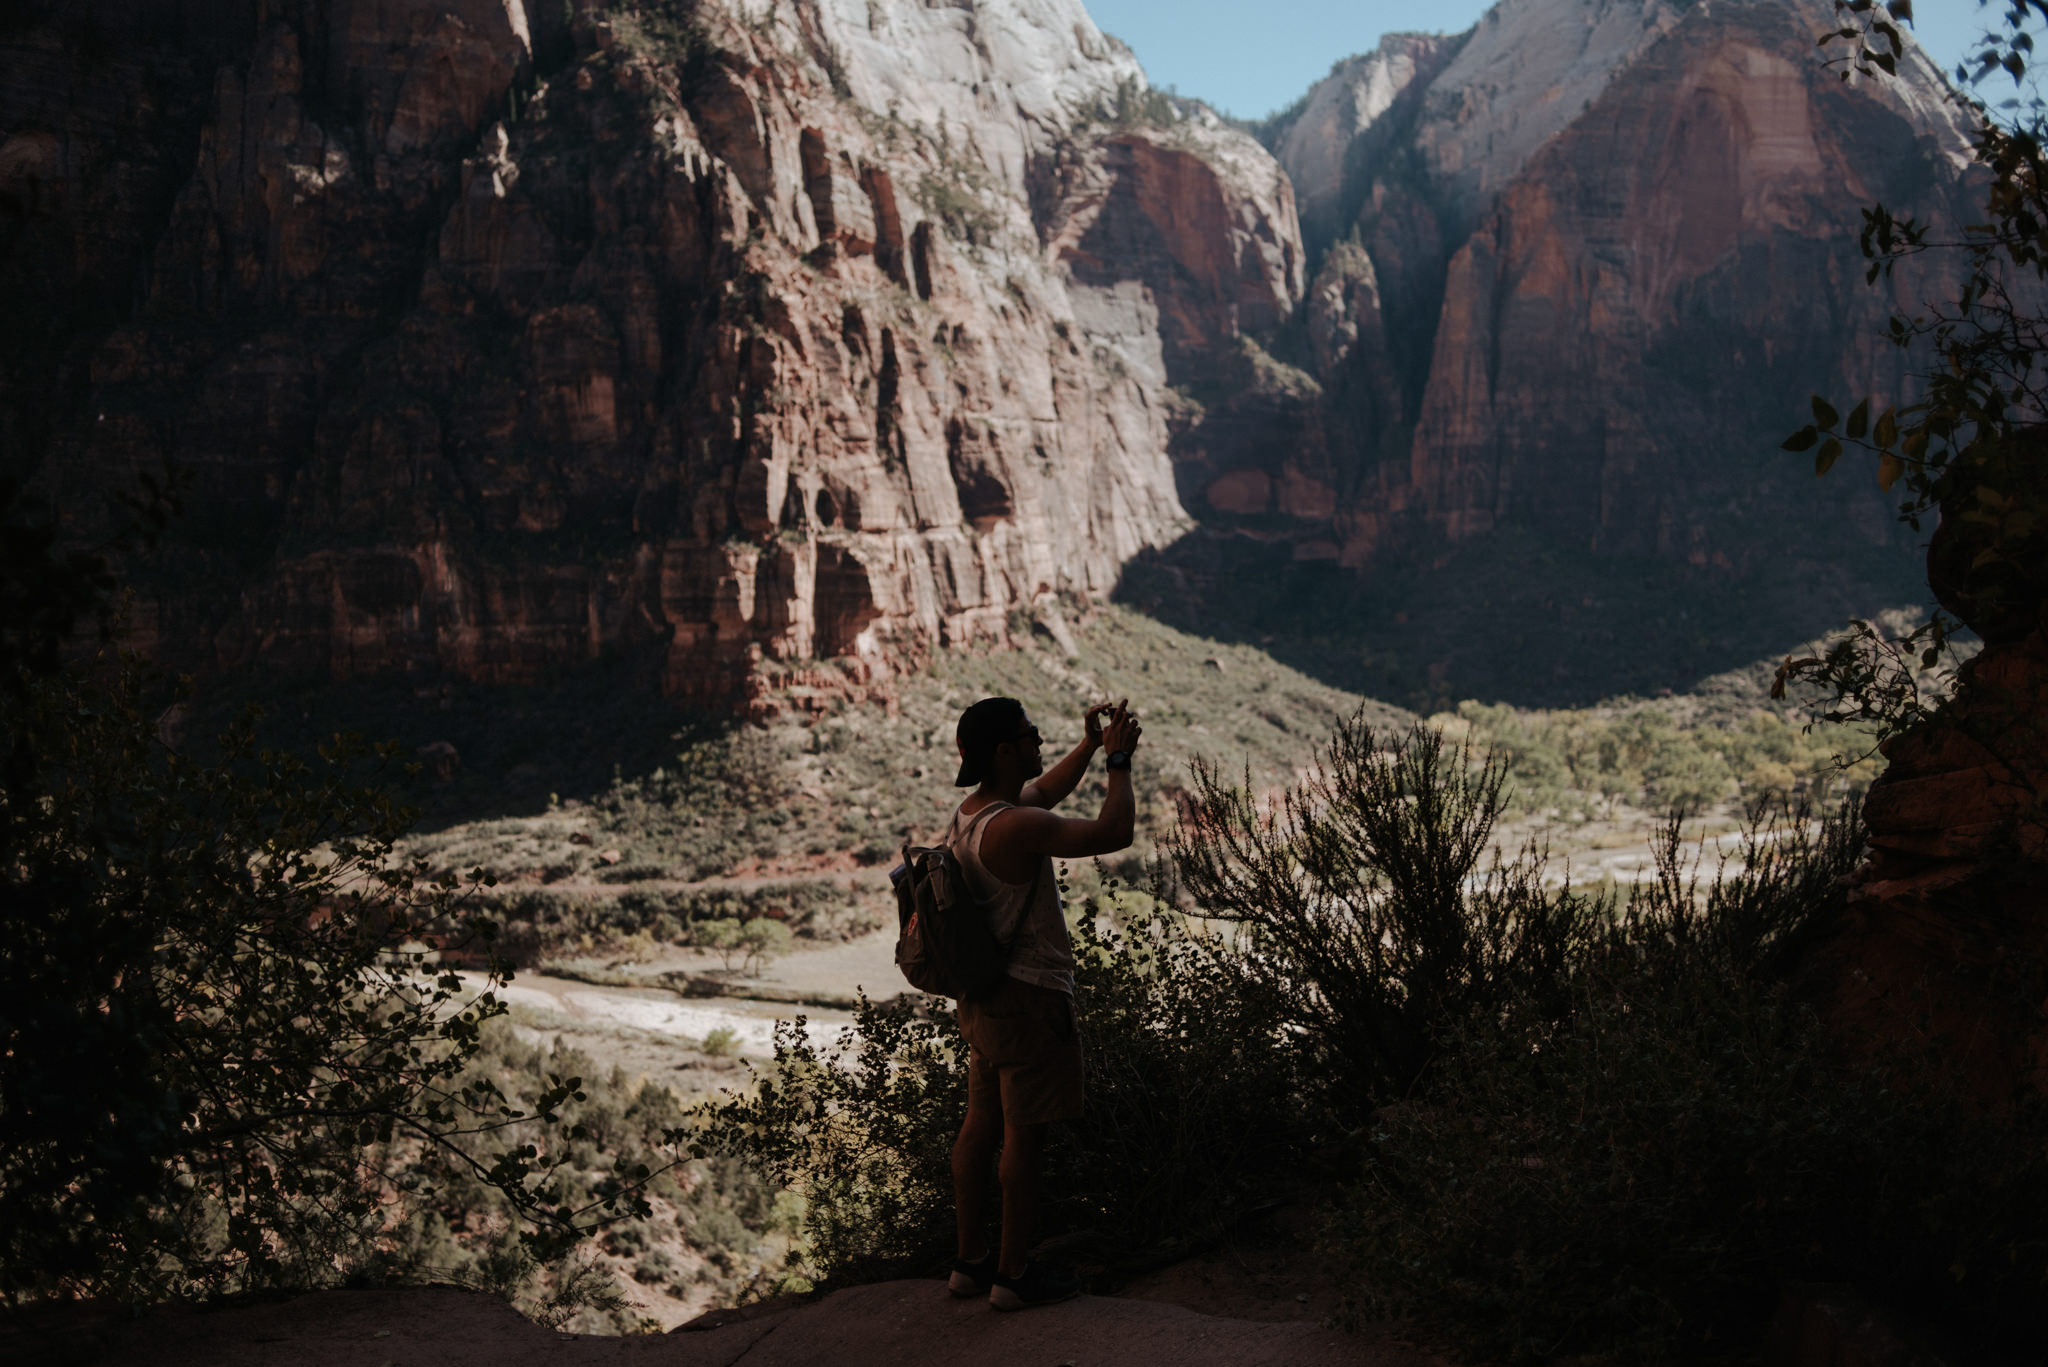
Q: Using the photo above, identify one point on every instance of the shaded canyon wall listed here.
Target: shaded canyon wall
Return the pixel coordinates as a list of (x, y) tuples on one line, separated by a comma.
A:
[(781, 344), (489, 340)]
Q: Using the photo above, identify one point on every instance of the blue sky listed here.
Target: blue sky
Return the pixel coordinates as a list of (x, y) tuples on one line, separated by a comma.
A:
[(1252, 57)]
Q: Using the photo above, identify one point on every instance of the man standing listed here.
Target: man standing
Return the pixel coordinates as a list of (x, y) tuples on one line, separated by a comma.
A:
[(1024, 1067)]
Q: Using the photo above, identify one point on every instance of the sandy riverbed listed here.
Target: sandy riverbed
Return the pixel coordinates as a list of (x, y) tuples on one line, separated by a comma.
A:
[(660, 1012)]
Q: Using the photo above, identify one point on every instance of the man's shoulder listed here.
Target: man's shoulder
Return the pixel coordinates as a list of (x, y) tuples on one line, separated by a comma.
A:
[(1015, 822), (992, 810)]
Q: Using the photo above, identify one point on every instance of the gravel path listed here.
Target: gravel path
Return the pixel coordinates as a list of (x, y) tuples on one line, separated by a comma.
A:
[(888, 1324)]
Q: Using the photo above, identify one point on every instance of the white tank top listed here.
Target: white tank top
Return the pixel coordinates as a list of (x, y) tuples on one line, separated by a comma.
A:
[(1026, 916)]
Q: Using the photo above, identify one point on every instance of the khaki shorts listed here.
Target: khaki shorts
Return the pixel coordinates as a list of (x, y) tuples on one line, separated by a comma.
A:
[(1023, 1054)]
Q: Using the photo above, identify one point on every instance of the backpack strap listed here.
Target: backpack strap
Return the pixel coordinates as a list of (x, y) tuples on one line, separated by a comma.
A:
[(978, 819), (981, 818), (1037, 873)]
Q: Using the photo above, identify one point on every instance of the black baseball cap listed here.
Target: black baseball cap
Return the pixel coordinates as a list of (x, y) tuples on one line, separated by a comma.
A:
[(982, 728)]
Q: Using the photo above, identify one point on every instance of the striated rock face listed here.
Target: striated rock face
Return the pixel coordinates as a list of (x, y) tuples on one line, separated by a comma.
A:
[(1947, 933), (1342, 125), (1527, 71), (1579, 269), (742, 336)]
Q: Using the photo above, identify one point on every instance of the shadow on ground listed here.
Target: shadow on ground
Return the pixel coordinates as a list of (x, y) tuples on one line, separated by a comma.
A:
[(885, 1324), (1514, 618), (508, 748)]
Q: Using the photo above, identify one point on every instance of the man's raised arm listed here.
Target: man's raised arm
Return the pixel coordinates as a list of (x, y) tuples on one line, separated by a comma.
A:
[(1052, 787), (1016, 839)]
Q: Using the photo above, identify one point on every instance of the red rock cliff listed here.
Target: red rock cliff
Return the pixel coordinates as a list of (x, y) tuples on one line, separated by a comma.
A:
[(743, 335), (1599, 256)]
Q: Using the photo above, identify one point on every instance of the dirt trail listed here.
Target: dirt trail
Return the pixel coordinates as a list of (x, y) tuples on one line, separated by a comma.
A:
[(831, 972), (889, 1324), (852, 879)]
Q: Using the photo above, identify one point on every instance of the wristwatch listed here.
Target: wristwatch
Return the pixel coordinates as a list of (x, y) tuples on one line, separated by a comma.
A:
[(1119, 759)]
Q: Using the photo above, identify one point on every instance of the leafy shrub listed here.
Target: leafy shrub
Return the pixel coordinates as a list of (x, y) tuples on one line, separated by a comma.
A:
[(820, 910), (217, 1008), (1135, 105), (700, 814), (632, 873), (959, 201), (1196, 1096), (546, 923), (1191, 1106), (1373, 911), (861, 1133), (1641, 1176), (752, 942), (224, 1062), (700, 1223), (1641, 754)]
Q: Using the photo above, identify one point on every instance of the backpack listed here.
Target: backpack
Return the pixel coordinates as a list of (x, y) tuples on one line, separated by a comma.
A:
[(944, 943)]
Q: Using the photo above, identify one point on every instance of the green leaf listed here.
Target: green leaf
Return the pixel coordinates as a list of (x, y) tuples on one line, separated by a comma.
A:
[(1887, 430), (1802, 440), (1889, 468), (1826, 456), (1859, 421), (1823, 415)]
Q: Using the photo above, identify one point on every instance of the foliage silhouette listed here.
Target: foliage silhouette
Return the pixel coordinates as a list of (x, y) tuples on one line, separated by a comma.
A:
[(1641, 1176), (218, 1023), (1373, 904), (1971, 448), (1193, 1111)]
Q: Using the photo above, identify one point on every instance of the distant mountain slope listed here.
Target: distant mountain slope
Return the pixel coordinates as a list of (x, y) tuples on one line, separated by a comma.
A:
[(1578, 270)]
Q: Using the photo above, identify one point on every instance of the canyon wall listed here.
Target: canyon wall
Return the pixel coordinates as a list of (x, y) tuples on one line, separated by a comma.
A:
[(779, 344), (1578, 270), (742, 336)]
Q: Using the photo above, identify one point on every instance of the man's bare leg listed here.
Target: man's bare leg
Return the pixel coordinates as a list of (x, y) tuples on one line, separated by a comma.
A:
[(973, 1152), (1023, 1147)]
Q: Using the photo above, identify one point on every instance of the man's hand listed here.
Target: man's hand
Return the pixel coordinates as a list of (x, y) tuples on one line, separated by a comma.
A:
[(1052, 787), (1093, 718), (1014, 840), (1122, 731)]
